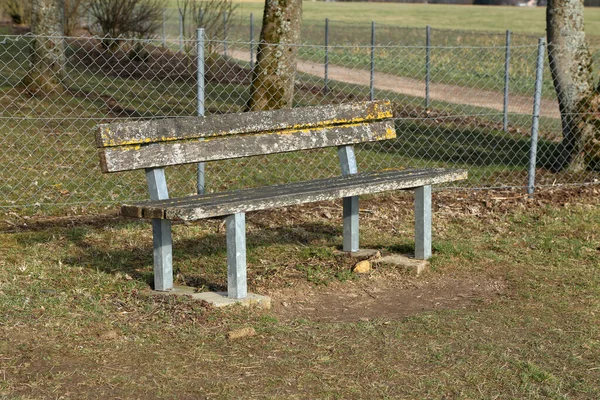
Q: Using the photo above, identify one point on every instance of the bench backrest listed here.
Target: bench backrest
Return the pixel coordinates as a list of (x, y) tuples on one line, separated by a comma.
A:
[(175, 141)]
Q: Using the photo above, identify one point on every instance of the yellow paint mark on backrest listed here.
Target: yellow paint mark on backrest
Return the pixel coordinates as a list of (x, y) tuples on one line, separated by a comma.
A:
[(376, 111)]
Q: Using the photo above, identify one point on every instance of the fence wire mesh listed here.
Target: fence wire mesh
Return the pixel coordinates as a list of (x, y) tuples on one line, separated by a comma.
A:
[(448, 101)]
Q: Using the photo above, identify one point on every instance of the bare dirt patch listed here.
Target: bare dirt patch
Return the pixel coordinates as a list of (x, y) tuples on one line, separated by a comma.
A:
[(380, 297)]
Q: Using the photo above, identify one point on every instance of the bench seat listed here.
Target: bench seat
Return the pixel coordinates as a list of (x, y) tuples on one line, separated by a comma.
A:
[(197, 207)]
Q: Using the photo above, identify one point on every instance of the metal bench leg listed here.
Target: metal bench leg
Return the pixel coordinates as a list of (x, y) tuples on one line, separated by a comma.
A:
[(348, 166), (161, 232), (350, 242), (163, 254), (423, 222), (236, 256)]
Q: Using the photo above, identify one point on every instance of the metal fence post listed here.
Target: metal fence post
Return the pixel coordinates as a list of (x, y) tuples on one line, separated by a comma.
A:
[(372, 81), (225, 33), (164, 29), (427, 64), (180, 31), (252, 41), (536, 116), (506, 80), (326, 75), (200, 98)]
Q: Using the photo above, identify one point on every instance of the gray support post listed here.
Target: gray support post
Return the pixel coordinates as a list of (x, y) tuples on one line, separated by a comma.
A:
[(427, 65), (164, 29), (252, 41), (200, 100), (326, 73), (423, 222), (161, 232), (372, 80), (236, 256), (180, 31), (225, 33), (535, 123), (350, 204), (506, 81)]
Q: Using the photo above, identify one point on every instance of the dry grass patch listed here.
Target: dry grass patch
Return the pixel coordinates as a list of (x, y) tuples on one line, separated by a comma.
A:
[(509, 308)]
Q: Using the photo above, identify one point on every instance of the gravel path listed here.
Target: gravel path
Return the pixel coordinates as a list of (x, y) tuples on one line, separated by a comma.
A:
[(413, 87)]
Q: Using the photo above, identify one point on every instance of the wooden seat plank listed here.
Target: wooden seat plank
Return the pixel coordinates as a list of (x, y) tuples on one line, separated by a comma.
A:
[(207, 206), (211, 199)]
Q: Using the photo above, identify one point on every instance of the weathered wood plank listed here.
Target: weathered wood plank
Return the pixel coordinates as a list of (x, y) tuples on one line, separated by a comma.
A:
[(206, 206), (114, 159), (250, 194), (172, 129), (279, 198)]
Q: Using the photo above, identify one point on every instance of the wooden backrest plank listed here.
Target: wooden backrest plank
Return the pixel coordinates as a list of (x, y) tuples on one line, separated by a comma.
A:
[(175, 129), (123, 158)]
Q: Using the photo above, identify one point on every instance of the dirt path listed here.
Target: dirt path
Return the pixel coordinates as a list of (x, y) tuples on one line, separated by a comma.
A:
[(413, 87)]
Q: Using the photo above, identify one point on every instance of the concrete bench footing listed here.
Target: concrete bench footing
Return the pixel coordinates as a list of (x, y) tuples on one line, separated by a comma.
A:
[(412, 265), (218, 299)]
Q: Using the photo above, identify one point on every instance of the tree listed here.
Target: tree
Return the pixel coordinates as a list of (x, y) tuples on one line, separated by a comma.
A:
[(72, 15), (46, 52), (578, 98), (116, 19), (214, 16), (19, 11), (273, 78)]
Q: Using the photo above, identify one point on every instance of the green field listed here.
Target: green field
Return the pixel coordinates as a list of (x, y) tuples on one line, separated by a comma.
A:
[(526, 20)]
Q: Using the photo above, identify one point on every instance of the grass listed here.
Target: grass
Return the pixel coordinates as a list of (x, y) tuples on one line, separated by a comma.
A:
[(354, 18), (77, 320), (522, 20), (484, 68)]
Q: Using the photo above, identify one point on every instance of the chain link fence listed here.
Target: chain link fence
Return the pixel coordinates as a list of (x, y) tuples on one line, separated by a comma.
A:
[(455, 106)]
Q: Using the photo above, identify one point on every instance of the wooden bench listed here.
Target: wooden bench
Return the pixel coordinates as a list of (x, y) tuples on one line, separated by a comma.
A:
[(155, 144)]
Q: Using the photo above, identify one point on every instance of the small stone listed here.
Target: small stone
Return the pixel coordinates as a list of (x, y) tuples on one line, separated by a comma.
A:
[(285, 304), (109, 335), (241, 333), (362, 267)]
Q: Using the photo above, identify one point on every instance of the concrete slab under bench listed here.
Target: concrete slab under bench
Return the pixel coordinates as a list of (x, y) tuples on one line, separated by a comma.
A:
[(218, 299)]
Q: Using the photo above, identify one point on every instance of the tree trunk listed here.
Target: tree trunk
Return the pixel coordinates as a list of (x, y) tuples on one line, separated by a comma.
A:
[(274, 73), (46, 52), (571, 68)]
